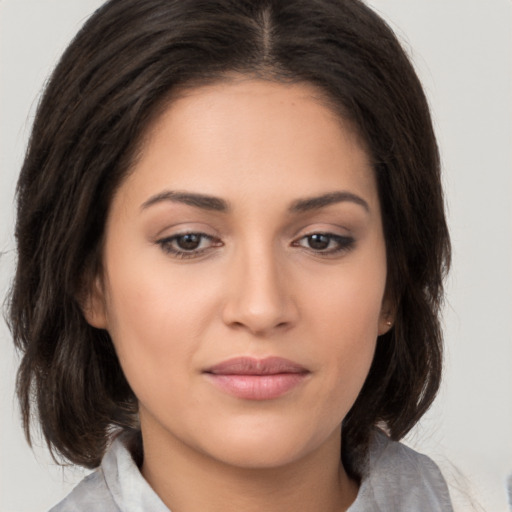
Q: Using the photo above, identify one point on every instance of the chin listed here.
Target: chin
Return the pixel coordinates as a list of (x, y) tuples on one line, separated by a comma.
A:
[(257, 455), (268, 445)]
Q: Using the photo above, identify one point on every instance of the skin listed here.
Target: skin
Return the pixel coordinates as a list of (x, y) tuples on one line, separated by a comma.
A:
[(256, 285)]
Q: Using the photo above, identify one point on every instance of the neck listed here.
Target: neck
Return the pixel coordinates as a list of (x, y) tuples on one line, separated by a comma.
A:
[(190, 481)]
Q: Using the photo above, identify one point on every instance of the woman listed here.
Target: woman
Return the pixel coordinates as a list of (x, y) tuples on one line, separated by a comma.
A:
[(231, 248)]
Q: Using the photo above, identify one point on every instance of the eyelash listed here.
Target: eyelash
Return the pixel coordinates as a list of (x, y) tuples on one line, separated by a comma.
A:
[(343, 243), (168, 244)]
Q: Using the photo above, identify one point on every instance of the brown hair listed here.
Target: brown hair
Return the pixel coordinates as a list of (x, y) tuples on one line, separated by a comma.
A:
[(113, 79)]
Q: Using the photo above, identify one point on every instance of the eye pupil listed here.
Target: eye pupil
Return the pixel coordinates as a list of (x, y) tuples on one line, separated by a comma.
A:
[(188, 242), (319, 241)]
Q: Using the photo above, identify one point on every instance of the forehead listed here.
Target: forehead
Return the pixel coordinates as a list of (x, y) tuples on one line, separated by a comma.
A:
[(256, 134)]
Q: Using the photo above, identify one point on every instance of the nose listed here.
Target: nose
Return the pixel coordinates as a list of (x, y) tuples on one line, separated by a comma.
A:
[(259, 296)]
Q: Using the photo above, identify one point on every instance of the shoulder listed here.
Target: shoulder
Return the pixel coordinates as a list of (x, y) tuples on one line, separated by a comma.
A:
[(397, 478), (116, 486), (91, 493)]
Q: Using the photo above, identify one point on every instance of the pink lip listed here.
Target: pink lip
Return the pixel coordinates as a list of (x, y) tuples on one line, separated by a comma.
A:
[(256, 379)]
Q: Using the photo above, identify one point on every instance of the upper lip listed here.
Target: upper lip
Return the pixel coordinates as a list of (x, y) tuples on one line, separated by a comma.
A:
[(255, 366)]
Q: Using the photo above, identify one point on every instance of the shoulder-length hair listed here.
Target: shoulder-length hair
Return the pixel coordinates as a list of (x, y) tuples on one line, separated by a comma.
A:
[(114, 79)]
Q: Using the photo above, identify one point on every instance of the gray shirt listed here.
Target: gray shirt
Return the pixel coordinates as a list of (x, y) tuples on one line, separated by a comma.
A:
[(395, 479)]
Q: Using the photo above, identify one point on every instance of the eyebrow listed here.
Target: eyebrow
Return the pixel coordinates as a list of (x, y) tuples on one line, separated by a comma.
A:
[(317, 202), (202, 201), (213, 203)]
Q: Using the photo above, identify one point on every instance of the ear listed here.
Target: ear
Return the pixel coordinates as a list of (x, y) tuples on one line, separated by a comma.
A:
[(387, 315), (93, 303)]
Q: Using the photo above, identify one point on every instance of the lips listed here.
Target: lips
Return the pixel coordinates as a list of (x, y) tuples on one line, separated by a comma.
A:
[(256, 379)]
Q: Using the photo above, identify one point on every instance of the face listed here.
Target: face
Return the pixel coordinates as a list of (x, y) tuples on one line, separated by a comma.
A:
[(244, 273)]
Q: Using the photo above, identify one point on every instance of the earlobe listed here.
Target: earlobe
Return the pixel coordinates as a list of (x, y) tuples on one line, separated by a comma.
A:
[(385, 324), (387, 317), (93, 304)]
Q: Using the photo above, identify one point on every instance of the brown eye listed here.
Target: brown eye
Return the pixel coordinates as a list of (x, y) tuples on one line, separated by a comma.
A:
[(188, 242), (325, 243), (188, 245), (318, 241)]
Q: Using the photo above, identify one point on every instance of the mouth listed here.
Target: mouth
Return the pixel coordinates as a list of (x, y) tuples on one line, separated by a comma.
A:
[(256, 379)]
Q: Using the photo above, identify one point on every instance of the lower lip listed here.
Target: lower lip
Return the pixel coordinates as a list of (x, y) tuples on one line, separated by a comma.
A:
[(257, 387)]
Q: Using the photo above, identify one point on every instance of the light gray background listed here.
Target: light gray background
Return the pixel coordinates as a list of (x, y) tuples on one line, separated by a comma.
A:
[(463, 52)]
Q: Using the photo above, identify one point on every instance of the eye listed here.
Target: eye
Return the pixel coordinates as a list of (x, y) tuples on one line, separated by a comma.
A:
[(325, 243), (188, 245)]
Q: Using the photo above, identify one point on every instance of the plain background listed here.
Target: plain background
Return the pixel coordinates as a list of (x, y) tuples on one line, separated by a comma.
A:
[(462, 50)]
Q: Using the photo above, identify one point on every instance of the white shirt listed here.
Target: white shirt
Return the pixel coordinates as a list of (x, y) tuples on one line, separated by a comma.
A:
[(395, 479)]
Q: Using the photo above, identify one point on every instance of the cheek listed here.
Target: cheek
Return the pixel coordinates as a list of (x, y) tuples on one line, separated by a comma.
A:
[(155, 319), (347, 303), (346, 318), (347, 356), (348, 337)]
